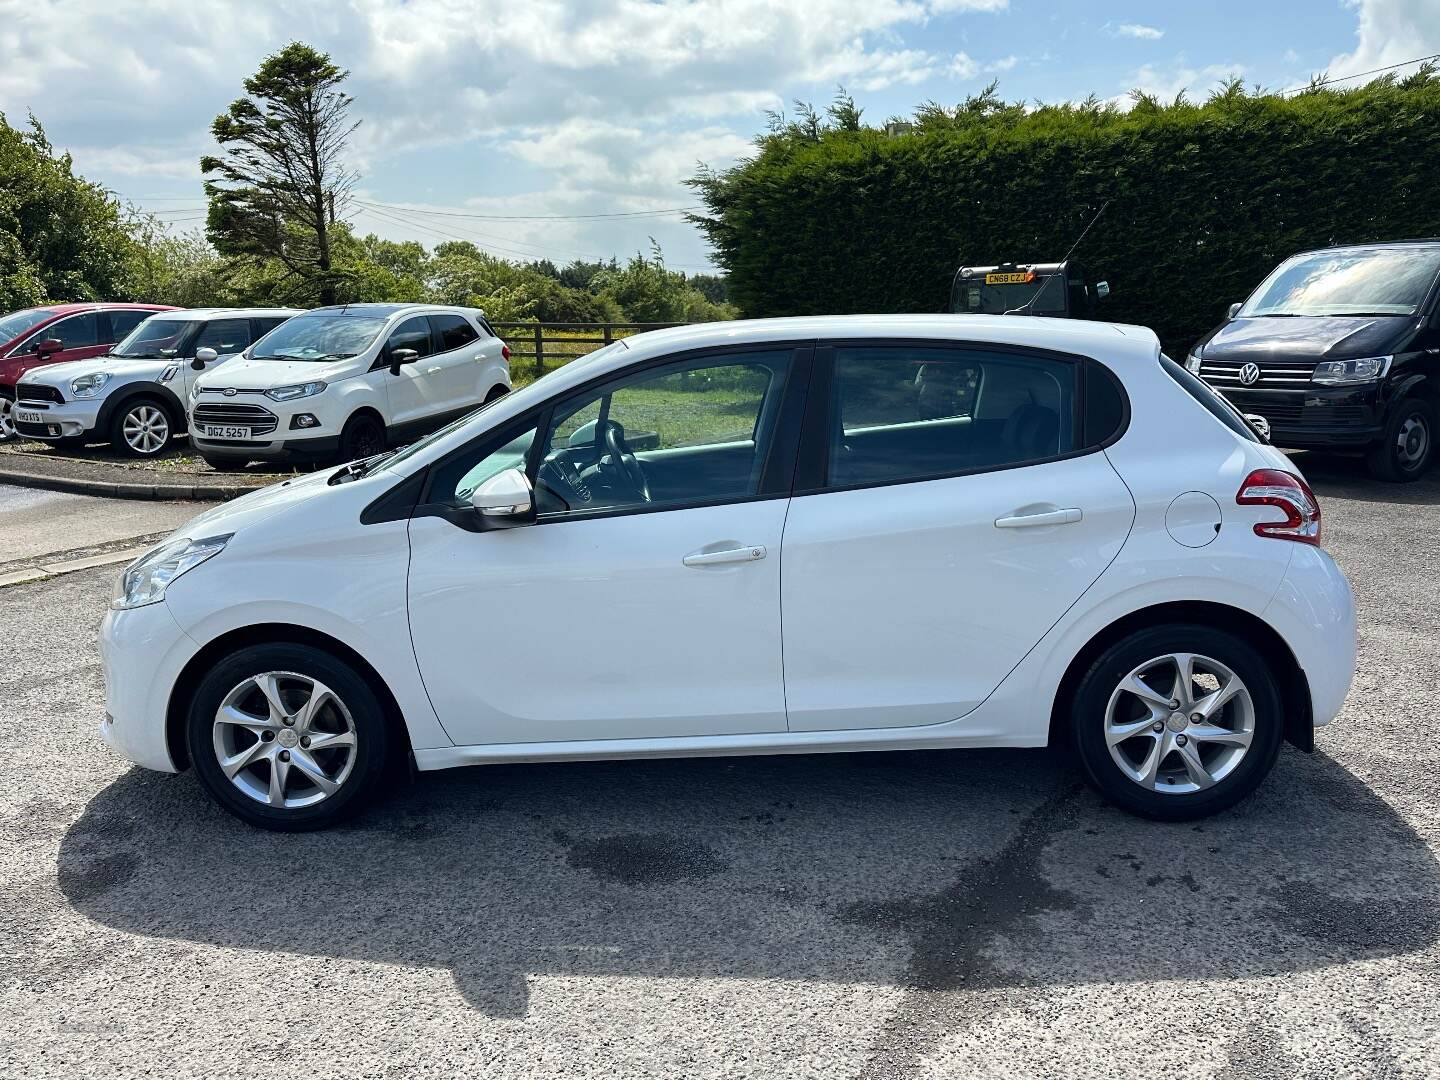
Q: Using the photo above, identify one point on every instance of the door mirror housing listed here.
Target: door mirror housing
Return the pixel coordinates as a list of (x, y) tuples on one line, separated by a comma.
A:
[(1234, 310), (1102, 290), (49, 346), (504, 501), (400, 357), (203, 357)]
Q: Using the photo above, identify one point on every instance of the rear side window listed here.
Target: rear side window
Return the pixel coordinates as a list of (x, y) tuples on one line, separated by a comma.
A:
[(1104, 406), (261, 327), (1216, 405), (911, 413), (122, 322), (453, 331), (411, 334), (225, 336)]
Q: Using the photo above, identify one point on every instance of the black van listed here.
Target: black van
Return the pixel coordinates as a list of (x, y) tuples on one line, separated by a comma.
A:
[(1057, 290), (1339, 349)]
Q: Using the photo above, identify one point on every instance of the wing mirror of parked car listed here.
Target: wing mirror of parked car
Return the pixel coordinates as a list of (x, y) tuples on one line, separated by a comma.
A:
[(203, 357), (1102, 290), (400, 357), (49, 345), (1234, 310), (505, 500)]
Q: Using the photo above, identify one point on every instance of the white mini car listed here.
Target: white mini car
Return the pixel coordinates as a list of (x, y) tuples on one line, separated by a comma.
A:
[(857, 533), (134, 395), (341, 383)]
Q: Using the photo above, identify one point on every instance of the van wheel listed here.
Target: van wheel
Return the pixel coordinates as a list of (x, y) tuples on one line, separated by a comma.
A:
[(1404, 452), (363, 436), (1177, 722), (141, 428), (287, 737)]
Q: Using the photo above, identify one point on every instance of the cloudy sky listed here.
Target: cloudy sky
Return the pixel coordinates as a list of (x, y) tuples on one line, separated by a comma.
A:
[(503, 121)]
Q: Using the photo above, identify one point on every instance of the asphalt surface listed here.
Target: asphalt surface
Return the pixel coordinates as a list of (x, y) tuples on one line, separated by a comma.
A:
[(35, 523), (968, 914)]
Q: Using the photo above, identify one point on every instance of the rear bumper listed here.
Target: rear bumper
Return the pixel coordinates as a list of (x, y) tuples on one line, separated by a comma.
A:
[(63, 421), (1314, 611)]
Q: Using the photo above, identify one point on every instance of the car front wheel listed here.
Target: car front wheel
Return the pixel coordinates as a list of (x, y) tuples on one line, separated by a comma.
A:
[(7, 416), (1405, 450), (141, 428), (287, 737), (1178, 722)]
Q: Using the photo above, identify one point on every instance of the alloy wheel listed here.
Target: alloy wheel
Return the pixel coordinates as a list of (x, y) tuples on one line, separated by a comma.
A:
[(1179, 723), (285, 740), (7, 419), (1412, 442), (146, 429)]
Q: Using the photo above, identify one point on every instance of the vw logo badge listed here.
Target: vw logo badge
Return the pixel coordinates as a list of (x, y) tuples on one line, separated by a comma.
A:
[(230, 390), (1249, 374)]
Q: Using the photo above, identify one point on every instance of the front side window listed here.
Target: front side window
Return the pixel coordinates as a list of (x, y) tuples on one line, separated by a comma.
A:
[(411, 334), (910, 413), (225, 336), (76, 332), (1377, 281), (453, 331), (154, 339), (320, 338), (122, 322)]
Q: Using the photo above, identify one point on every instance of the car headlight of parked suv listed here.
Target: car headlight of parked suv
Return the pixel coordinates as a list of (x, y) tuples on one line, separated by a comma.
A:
[(87, 386), (1340, 372), (299, 390), (146, 579)]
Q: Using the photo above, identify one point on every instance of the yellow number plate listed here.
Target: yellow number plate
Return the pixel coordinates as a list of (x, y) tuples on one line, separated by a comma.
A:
[(1004, 279)]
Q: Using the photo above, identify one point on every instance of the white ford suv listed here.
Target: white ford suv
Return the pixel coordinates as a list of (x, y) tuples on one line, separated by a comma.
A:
[(134, 396), (788, 536), (340, 383)]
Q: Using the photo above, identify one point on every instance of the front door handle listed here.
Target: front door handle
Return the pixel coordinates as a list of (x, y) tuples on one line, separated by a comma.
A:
[(1048, 517), (728, 555)]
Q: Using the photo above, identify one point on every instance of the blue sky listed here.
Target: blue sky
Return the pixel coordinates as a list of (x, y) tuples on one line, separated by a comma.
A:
[(502, 121)]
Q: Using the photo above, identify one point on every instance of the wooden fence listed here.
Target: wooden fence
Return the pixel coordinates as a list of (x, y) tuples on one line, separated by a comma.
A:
[(534, 345)]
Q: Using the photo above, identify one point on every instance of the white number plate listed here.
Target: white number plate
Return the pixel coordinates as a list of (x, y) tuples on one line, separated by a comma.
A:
[(29, 417), (217, 431)]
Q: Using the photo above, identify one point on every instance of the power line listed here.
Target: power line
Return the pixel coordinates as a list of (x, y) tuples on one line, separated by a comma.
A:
[(1361, 74), (532, 217)]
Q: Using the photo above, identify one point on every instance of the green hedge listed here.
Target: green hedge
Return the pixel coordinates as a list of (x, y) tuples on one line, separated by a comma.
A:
[(833, 217)]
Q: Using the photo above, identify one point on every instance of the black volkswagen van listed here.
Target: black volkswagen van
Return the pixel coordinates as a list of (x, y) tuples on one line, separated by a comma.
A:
[(1339, 349)]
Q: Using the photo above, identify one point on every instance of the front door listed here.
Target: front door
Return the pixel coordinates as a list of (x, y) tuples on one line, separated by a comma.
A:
[(954, 518), (645, 602), (80, 338), (415, 392)]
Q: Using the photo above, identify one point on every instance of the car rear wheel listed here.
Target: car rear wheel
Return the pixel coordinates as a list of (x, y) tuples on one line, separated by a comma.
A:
[(287, 737), (141, 428), (7, 416), (1408, 445), (1178, 722)]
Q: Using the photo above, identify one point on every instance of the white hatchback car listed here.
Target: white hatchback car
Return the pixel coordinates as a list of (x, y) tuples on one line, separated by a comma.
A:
[(851, 533), (340, 383), (135, 394)]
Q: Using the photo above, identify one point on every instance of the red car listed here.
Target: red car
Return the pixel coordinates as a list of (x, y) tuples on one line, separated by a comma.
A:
[(56, 333)]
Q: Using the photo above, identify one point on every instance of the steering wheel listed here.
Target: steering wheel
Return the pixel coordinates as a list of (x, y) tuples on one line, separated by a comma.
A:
[(624, 457)]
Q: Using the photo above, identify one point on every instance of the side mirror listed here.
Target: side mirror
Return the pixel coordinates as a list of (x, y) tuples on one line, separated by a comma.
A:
[(505, 500), (1233, 311), (401, 357), (1102, 290), (49, 346), (1260, 424), (203, 357)]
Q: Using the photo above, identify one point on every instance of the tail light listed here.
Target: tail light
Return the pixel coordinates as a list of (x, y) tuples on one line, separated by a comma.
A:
[(1286, 492), (505, 351)]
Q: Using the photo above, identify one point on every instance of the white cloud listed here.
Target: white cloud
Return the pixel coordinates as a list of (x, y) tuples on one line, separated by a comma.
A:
[(1134, 30), (1389, 32), (941, 7), (1166, 83), (963, 66)]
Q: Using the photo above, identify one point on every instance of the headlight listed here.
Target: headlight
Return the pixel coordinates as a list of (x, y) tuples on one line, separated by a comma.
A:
[(299, 390), (145, 580), (1339, 372), (89, 385)]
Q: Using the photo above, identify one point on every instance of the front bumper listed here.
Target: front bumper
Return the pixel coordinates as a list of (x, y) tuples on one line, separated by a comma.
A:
[(317, 449), (1319, 418), (143, 651), (58, 421)]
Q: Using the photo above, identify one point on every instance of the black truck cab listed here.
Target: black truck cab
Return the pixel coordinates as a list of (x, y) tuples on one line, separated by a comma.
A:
[(1339, 349), (1056, 290)]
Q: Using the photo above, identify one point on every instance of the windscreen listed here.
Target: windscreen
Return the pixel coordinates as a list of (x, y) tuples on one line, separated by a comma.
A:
[(318, 337), (976, 296), (17, 322), (1355, 281)]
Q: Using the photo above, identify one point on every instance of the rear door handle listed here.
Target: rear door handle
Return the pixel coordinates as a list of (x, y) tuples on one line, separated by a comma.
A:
[(729, 555), (1048, 517)]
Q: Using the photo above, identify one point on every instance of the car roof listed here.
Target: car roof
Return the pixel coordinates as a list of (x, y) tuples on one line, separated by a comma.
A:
[(71, 309), (382, 311), (198, 314)]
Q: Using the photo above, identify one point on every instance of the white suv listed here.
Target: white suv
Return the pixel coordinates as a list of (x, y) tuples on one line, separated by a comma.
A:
[(788, 536), (135, 394), (340, 383)]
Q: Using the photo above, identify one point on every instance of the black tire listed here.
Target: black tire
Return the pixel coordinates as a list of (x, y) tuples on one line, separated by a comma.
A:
[(363, 436), (496, 392), (371, 750), (149, 412), (7, 418), (225, 464), (1089, 714), (1407, 448)]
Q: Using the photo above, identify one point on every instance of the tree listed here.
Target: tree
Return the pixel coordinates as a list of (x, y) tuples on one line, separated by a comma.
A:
[(276, 190)]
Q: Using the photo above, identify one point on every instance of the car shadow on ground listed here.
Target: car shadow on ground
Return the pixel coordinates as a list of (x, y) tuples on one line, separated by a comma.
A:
[(1345, 476), (946, 873)]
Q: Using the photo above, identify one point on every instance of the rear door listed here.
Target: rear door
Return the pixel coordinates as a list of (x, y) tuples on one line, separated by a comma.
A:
[(952, 504)]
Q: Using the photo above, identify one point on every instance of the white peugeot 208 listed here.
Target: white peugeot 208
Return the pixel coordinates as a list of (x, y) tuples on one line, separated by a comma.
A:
[(849, 533)]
